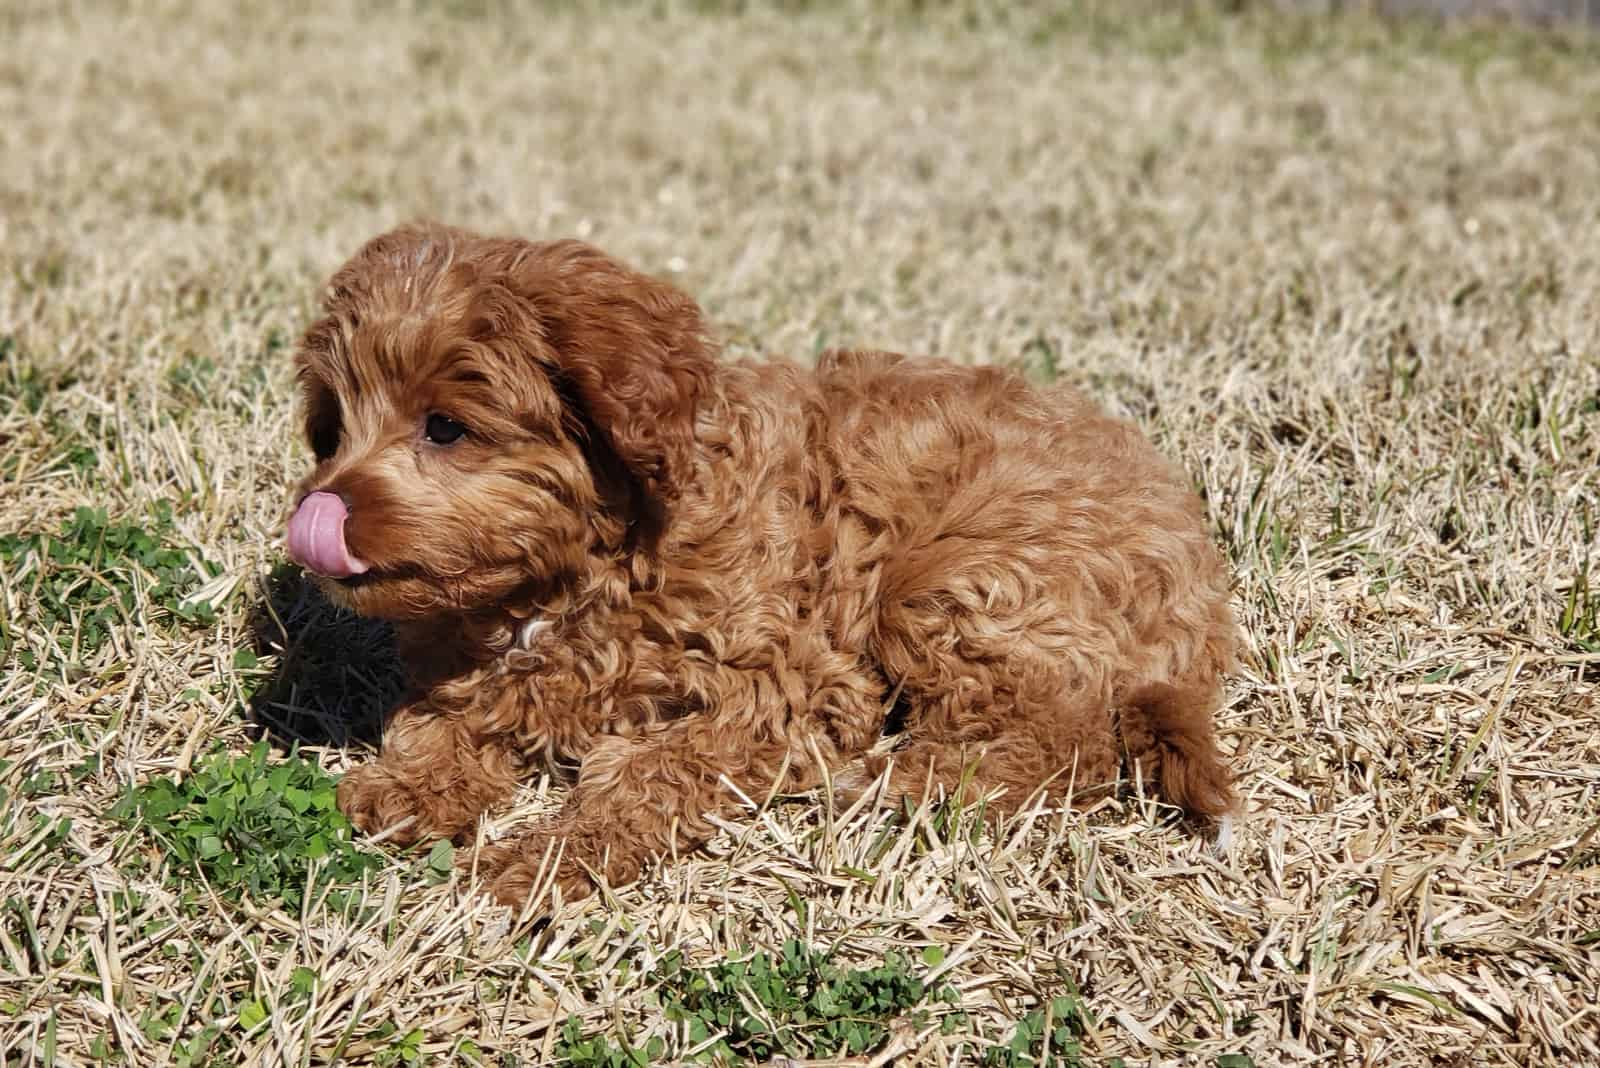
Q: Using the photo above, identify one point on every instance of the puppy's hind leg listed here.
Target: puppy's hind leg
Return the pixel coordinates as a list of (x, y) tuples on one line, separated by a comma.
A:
[(1168, 733), (1011, 744)]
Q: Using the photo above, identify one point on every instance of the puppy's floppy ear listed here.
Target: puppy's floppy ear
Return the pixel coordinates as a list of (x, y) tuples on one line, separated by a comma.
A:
[(323, 419), (631, 349)]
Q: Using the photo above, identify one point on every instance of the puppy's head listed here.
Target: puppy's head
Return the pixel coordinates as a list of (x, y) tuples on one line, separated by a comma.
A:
[(484, 413)]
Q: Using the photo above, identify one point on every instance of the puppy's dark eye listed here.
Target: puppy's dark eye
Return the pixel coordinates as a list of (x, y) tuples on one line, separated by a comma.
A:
[(442, 430)]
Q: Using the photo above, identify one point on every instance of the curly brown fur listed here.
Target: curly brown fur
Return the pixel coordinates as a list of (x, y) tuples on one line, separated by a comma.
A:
[(688, 575)]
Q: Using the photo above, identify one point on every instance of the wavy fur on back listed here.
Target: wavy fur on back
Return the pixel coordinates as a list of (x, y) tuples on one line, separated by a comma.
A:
[(677, 573)]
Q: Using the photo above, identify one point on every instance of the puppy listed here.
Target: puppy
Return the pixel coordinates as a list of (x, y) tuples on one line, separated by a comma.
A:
[(701, 581)]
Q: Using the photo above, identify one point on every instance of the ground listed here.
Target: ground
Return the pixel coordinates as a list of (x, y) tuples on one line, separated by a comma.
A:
[(1344, 271)]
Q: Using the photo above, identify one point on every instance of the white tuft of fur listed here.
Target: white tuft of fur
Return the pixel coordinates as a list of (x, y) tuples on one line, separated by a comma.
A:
[(1224, 835), (529, 632)]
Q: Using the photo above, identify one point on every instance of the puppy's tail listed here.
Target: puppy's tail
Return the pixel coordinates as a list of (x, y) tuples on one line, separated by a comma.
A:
[(1168, 732)]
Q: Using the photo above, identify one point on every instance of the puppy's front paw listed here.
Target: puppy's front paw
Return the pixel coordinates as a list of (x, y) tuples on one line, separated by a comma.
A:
[(549, 860), (375, 800), (522, 878), (850, 783)]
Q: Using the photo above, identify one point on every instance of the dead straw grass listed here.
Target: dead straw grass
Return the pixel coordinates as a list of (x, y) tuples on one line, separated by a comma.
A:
[(1346, 272)]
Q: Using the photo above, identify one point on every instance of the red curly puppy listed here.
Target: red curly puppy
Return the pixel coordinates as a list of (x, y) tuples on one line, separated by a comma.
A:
[(600, 544)]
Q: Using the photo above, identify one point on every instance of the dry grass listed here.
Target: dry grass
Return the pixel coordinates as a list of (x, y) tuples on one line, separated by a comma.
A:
[(1347, 273)]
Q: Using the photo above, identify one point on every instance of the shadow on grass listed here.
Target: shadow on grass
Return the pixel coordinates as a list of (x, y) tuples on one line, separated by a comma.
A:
[(335, 673)]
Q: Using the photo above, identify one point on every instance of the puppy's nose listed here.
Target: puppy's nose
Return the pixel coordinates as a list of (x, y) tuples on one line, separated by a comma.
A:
[(316, 537)]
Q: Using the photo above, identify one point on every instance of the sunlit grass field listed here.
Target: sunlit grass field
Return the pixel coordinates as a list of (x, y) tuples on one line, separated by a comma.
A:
[(1346, 271)]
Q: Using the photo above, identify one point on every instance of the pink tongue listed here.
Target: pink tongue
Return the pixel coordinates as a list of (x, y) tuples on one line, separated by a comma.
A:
[(316, 537)]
